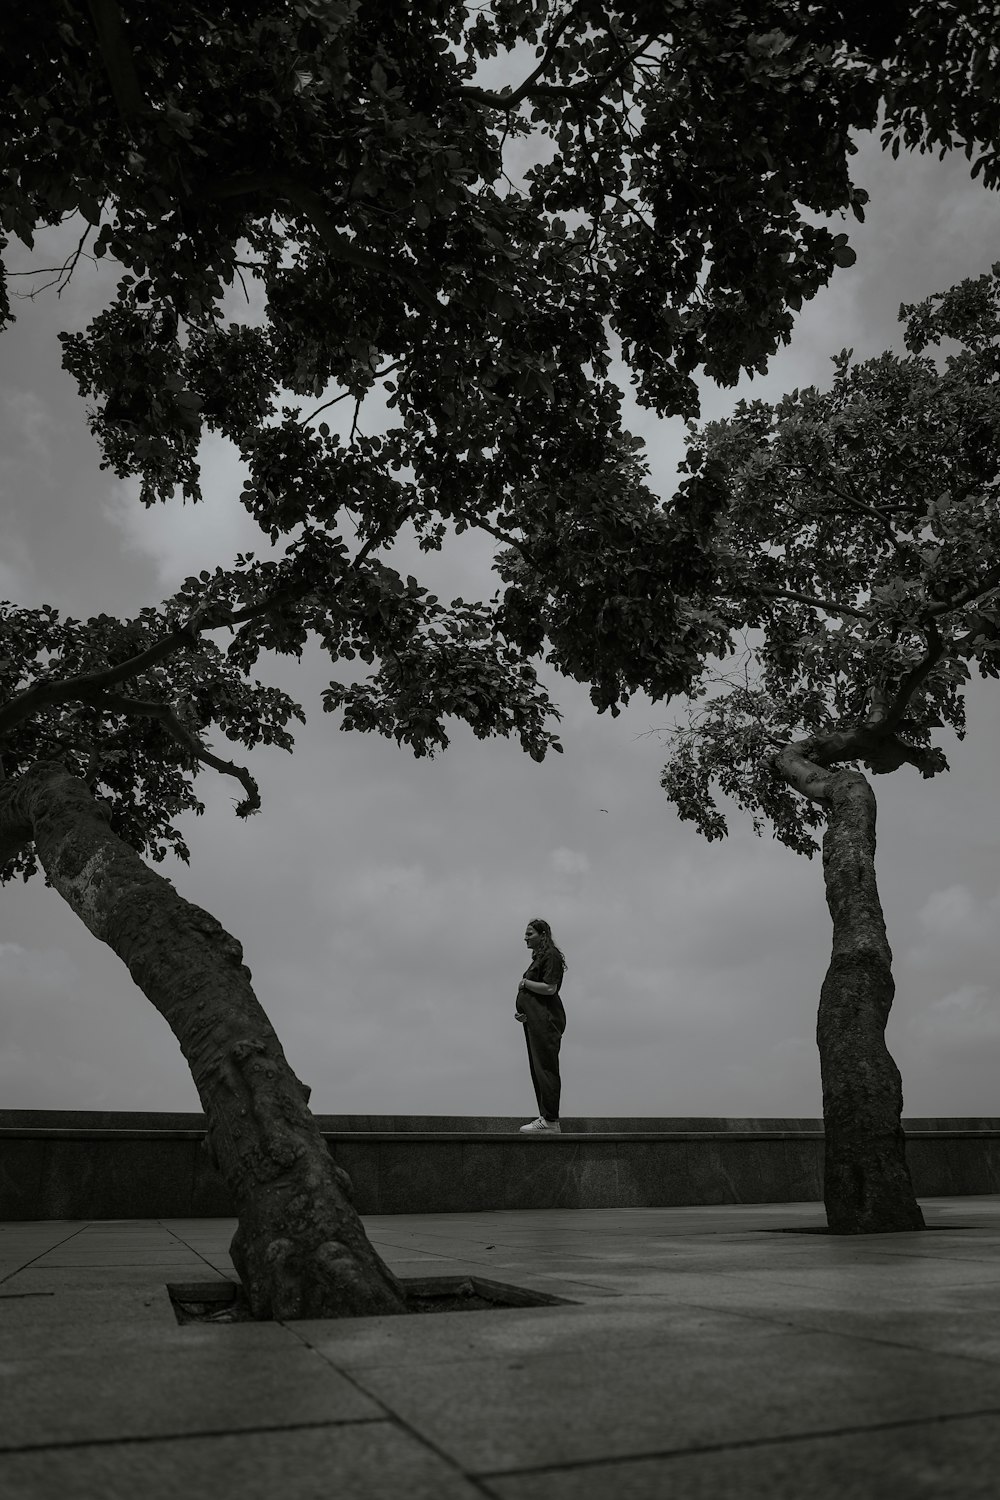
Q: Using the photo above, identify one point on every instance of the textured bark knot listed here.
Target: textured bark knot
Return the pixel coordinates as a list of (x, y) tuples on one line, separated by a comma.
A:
[(278, 1251), (344, 1182), (82, 890), (240, 1051)]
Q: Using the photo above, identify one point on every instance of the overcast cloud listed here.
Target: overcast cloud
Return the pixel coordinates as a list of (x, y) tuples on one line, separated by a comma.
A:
[(381, 901)]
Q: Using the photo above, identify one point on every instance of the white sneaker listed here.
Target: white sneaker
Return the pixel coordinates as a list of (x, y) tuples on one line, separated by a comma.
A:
[(537, 1127)]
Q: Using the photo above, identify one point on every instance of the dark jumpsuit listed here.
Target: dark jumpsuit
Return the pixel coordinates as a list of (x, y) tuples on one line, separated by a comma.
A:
[(545, 1022)]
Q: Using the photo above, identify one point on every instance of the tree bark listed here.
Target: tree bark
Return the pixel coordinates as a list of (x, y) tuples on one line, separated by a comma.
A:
[(867, 1184), (300, 1247)]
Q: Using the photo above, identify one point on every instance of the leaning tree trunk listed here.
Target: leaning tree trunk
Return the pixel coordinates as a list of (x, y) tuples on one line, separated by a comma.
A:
[(867, 1182), (300, 1248)]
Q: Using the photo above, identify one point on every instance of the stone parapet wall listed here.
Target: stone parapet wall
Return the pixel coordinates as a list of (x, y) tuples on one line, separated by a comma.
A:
[(108, 1119), (113, 1165)]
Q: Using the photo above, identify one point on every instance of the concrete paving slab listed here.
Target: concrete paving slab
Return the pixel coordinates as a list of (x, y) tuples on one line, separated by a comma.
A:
[(109, 1228), (554, 1285), (218, 1227), (92, 1278), (104, 1243), (36, 1233), (15, 1257), (970, 1334), (819, 1304), (439, 1247), (197, 1379), (918, 1274), (360, 1461), (550, 1283), (954, 1459), (516, 1412), (911, 1276), (513, 1332), (976, 1245), (958, 1323), (694, 1220), (112, 1226), (701, 1348), (214, 1245), (69, 1257), (403, 1258), (57, 1323)]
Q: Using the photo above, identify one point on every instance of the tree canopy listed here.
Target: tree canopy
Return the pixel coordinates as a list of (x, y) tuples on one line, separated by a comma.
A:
[(345, 166), (860, 550)]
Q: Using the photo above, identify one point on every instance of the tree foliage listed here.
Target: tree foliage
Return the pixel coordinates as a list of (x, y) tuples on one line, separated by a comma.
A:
[(860, 549), (346, 167), (124, 705)]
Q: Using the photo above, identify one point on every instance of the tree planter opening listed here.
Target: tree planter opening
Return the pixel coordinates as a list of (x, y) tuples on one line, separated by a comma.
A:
[(226, 1302)]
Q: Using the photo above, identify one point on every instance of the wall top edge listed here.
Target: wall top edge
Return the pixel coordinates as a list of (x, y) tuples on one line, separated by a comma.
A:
[(158, 1121)]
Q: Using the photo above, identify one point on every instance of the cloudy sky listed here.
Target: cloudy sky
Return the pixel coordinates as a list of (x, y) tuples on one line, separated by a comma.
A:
[(381, 901)]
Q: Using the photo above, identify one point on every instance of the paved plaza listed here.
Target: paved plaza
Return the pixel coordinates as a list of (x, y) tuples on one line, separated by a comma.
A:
[(703, 1353)]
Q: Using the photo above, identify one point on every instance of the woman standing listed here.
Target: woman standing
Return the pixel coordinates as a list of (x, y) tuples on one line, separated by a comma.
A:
[(540, 1010)]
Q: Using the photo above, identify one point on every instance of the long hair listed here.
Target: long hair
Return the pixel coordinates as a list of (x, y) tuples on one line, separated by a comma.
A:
[(540, 925)]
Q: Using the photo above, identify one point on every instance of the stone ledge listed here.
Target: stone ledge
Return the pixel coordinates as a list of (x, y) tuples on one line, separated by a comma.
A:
[(159, 1121), (86, 1133), (103, 1171), (409, 1124)]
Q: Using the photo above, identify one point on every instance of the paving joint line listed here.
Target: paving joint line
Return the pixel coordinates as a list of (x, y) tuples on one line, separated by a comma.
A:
[(398, 1421), (183, 1437), (48, 1251), (794, 1327), (738, 1445), (233, 1280), (866, 1338)]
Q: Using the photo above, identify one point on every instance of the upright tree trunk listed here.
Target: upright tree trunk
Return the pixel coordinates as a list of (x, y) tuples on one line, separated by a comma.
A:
[(300, 1247), (867, 1182)]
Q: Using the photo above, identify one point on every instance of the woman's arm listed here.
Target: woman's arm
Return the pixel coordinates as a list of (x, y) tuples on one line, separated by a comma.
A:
[(552, 968), (537, 987)]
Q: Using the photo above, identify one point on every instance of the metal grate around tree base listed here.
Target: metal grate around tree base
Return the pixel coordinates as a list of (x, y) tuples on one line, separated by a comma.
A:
[(225, 1301)]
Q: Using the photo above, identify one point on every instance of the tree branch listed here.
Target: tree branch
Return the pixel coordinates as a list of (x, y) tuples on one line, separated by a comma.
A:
[(511, 541), (116, 55), (852, 500), (339, 246), (83, 688), (63, 690), (89, 686), (967, 596), (794, 764), (13, 835), (120, 703), (803, 765), (511, 101), (531, 89), (830, 605), (875, 742), (887, 718), (379, 375), (63, 274), (325, 407)]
